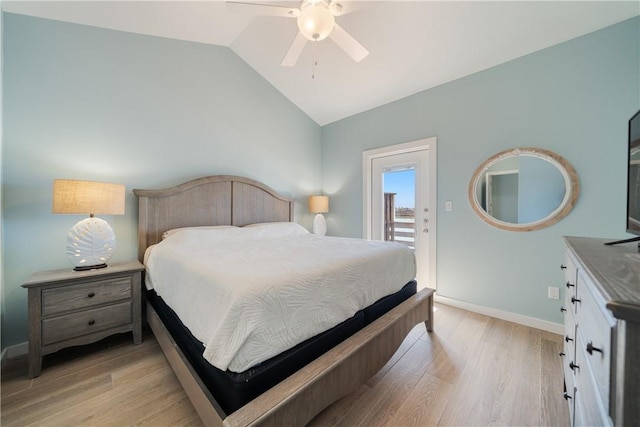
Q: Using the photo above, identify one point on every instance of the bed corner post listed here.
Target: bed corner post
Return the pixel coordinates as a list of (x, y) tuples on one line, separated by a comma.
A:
[(429, 322), (143, 205)]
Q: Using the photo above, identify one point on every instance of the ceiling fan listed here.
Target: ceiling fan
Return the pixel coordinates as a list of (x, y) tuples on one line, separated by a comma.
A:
[(316, 22)]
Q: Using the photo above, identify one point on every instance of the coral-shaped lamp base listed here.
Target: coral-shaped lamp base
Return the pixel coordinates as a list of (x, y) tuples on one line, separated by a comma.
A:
[(319, 225), (90, 244)]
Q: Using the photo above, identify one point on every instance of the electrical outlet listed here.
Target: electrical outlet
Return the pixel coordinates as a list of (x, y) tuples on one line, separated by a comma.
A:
[(553, 292)]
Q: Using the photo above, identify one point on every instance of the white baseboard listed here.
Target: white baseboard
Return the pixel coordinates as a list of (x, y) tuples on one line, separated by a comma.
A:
[(554, 328), (14, 351)]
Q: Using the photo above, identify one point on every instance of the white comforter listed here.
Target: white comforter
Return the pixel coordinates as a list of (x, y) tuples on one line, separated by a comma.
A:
[(250, 293)]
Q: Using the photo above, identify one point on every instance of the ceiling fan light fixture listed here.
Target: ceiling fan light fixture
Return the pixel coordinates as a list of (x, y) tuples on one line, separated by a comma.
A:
[(316, 21)]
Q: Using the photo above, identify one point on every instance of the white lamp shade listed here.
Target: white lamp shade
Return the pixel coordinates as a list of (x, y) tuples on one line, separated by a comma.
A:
[(87, 197), (318, 204), (316, 21)]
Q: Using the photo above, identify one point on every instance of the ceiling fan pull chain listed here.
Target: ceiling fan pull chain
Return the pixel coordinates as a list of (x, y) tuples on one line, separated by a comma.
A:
[(314, 62)]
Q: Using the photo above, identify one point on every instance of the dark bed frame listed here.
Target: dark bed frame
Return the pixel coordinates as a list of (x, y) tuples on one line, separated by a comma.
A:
[(232, 200)]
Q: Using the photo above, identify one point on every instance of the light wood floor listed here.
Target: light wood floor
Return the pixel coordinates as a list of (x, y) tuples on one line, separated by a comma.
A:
[(473, 370)]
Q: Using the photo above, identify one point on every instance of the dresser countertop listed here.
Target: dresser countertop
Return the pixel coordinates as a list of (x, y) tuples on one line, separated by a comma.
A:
[(615, 270)]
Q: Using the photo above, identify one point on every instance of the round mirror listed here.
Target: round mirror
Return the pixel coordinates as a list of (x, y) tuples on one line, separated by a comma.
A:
[(524, 189)]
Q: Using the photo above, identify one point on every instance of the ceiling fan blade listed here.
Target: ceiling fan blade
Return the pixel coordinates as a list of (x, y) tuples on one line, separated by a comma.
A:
[(294, 51), (350, 45), (262, 9)]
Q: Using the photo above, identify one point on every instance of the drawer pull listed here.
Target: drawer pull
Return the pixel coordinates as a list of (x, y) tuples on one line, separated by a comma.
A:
[(562, 309), (91, 295), (567, 339), (570, 285), (91, 322), (573, 366), (563, 267), (591, 348), (561, 354), (574, 300), (566, 396)]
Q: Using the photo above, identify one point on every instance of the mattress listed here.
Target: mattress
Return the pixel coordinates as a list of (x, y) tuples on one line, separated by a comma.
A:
[(233, 390), (250, 293)]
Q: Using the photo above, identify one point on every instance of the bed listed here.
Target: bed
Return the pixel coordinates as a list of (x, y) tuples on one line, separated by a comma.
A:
[(319, 376)]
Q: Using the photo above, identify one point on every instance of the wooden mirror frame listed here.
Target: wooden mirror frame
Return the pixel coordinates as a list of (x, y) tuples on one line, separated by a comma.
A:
[(572, 188)]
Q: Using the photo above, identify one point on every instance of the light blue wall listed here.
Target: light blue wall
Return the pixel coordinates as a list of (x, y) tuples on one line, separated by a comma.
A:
[(147, 112), (574, 99), (85, 103)]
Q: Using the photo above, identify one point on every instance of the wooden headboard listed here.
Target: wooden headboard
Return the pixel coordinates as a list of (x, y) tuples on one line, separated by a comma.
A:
[(212, 200)]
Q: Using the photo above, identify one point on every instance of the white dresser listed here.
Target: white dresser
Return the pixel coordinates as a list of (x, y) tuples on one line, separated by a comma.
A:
[(601, 356)]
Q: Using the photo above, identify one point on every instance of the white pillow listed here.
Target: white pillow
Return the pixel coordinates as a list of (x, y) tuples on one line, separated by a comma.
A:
[(276, 229), (203, 227)]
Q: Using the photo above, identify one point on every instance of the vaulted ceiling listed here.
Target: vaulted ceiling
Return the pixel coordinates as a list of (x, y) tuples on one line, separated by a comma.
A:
[(413, 45)]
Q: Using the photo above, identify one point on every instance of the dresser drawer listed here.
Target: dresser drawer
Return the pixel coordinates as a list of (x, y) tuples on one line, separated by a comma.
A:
[(568, 358), (590, 408), (570, 281), (86, 294), (569, 337), (569, 384), (73, 325), (594, 331), (569, 310)]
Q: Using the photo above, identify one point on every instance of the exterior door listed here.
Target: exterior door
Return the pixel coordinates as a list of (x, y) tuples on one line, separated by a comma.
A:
[(400, 204)]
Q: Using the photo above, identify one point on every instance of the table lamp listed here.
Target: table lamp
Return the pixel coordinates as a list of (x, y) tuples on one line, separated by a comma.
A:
[(319, 205), (91, 242)]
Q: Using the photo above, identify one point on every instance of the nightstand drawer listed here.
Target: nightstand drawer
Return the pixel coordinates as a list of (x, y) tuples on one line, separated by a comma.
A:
[(85, 322), (60, 300)]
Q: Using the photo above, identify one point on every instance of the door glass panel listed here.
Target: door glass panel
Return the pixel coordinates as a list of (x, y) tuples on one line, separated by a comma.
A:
[(400, 199)]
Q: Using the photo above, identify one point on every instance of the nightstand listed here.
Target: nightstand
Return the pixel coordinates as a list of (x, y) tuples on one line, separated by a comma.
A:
[(68, 308)]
